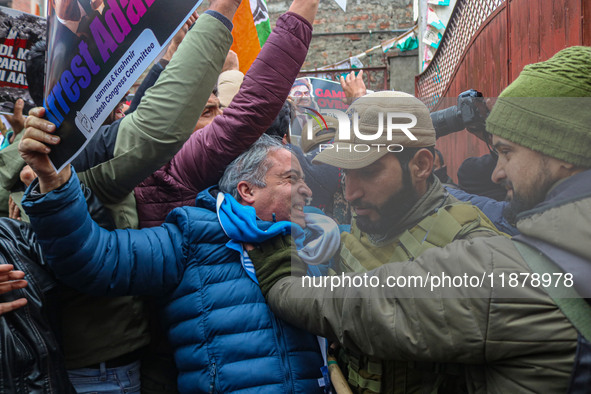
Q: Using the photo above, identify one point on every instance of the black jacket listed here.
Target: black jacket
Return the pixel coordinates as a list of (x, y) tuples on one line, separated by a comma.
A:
[(30, 356)]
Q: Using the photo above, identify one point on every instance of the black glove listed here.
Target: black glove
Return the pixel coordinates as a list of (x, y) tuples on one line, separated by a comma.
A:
[(276, 259)]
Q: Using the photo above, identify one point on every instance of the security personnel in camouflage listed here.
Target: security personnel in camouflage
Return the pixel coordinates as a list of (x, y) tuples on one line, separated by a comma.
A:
[(401, 211), (527, 336)]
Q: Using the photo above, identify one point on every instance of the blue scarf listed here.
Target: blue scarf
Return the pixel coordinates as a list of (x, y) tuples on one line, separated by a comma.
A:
[(241, 225), (239, 222)]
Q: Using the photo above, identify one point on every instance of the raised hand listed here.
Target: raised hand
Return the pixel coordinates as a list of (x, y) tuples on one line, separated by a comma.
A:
[(35, 147), (179, 36), (353, 86), (305, 8), (16, 120), (225, 7)]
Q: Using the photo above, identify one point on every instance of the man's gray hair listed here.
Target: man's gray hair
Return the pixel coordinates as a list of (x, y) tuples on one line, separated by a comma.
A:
[(251, 166)]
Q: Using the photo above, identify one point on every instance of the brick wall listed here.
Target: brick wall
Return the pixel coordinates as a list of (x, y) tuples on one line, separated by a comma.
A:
[(339, 35), (23, 5)]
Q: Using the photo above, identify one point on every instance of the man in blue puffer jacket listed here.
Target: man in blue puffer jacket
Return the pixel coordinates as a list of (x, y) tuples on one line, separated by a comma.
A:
[(224, 336)]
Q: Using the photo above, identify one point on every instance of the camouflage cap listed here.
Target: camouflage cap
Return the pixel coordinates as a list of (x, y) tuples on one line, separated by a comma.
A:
[(381, 122)]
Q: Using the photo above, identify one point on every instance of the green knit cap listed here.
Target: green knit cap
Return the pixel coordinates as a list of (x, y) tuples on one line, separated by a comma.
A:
[(548, 107)]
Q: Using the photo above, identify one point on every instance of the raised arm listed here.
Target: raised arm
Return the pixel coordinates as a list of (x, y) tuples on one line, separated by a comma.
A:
[(353, 86), (82, 254), (157, 69), (264, 90), (151, 135)]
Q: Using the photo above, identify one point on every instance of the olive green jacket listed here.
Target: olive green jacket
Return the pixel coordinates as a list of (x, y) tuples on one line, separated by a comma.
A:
[(435, 220), (511, 339), (451, 220), (150, 136)]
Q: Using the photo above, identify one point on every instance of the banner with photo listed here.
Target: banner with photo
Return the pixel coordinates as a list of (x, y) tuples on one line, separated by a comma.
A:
[(96, 51), (18, 32), (326, 94), (329, 94)]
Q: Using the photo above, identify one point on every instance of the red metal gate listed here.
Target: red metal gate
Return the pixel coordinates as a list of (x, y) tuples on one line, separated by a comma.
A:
[(485, 46)]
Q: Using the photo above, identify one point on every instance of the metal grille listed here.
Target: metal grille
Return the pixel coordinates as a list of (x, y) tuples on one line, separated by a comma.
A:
[(465, 21)]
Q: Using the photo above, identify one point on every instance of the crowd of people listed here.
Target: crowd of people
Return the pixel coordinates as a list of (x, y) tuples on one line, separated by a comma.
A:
[(195, 246)]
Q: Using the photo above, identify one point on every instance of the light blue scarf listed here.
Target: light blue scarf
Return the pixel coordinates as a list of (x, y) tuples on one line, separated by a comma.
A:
[(239, 222), (315, 246)]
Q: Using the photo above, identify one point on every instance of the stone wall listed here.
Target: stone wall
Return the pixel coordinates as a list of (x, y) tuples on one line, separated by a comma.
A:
[(30, 6), (339, 35)]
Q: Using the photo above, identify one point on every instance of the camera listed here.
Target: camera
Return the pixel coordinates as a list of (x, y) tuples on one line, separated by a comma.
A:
[(470, 113)]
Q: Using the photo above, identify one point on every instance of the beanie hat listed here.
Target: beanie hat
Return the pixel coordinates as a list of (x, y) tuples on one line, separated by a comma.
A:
[(363, 146), (548, 107)]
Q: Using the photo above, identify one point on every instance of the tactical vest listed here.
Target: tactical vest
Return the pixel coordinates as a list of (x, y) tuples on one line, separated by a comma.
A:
[(368, 375)]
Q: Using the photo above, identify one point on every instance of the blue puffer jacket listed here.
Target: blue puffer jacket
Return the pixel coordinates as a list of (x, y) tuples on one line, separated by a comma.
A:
[(224, 336)]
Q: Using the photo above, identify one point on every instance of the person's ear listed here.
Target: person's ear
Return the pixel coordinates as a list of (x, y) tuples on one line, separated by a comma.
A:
[(567, 169), (247, 192), (286, 140), (421, 165)]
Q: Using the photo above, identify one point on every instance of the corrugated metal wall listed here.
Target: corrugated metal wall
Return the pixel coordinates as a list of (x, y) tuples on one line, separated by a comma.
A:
[(514, 33)]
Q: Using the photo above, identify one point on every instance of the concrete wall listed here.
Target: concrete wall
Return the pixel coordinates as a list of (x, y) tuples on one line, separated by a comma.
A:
[(444, 14), (403, 66)]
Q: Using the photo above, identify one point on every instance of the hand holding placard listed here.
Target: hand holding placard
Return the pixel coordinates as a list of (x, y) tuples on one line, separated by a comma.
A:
[(34, 150)]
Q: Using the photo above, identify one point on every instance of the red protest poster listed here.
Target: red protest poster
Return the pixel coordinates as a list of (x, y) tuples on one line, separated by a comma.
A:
[(97, 49), (313, 97), (18, 32)]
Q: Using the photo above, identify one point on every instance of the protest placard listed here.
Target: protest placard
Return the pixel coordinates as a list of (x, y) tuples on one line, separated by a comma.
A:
[(328, 94), (311, 98), (18, 32), (96, 51), (325, 94)]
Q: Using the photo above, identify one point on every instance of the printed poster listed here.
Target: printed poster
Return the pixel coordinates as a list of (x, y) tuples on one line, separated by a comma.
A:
[(325, 94), (18, 32), (97, 49)]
